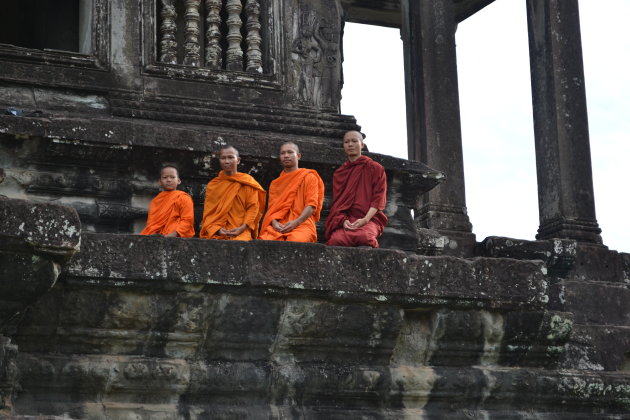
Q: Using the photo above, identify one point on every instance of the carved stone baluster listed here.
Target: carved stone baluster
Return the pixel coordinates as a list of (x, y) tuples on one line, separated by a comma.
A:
[(192, 55), (254, 55), (168, 28), (234, 53), (213, 34)]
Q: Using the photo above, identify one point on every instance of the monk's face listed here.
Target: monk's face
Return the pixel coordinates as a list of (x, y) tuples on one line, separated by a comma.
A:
[(289, 156), (169, 179), (353, 144), (229, 160)]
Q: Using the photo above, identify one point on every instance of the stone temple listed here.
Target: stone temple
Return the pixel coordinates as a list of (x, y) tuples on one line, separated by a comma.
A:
[(99, 323)]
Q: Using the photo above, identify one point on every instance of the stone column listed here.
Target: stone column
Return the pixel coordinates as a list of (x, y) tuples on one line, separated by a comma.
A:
[(433, 121), (563, 158)]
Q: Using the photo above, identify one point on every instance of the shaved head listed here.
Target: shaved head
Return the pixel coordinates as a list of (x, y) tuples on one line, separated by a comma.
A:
[(169, 165), (227, 146), (295, 146), (355, 132)]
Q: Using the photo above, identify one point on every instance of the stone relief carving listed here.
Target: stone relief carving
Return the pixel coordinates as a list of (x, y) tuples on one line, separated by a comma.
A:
[(315, 58), (307, 56)]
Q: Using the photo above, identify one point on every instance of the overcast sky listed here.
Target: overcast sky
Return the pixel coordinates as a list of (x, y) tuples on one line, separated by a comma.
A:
[(495, 102)]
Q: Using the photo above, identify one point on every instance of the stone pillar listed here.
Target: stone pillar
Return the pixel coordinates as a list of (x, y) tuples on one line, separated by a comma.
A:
[(563, 158), (433, 120)]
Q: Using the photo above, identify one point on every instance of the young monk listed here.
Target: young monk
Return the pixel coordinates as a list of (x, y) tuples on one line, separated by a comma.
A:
[(356, 217), (171, 211), (295, 201), (234, 202)]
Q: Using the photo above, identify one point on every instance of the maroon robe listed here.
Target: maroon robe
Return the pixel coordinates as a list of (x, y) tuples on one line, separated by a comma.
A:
[(357, 186)]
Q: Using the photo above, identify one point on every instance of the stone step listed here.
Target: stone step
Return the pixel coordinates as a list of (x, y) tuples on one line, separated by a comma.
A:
[(595, 347), (565, 258), (598, 263), (592, 302)]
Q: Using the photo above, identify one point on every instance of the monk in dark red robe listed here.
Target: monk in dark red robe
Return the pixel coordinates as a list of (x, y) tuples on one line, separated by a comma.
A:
[(171, 211), (356, 217)]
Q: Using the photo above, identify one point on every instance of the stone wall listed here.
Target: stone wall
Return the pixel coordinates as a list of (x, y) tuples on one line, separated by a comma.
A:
[(97, 323), (155, 327)]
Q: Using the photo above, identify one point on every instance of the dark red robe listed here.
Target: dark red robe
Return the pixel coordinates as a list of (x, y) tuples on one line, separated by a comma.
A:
[(357, 186)]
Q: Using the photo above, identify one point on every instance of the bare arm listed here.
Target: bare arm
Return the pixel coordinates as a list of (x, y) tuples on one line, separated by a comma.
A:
[(362, 221), (292, 224)]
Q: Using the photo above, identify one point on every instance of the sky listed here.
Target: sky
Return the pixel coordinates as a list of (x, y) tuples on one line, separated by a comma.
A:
[(496, 111)]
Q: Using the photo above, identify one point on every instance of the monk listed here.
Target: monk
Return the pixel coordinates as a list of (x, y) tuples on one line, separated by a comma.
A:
[(171, 211), (356, 217), (234, 202), (295, 201)]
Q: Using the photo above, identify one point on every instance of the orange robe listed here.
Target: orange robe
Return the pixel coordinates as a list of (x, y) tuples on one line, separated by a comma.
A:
[(289, 194), (230, 202), (171, 211)]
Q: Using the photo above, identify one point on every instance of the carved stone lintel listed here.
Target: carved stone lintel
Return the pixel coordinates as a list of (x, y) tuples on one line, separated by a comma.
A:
[(254, 54), (234, 58), (168, 28), (192, 54), (213, 35)]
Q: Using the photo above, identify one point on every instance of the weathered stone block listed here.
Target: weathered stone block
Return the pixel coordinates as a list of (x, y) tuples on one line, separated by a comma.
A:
[(457, 338), (535, 338), (625, 267), (596, 263), (558, 254), (35, 239), (8, 374), (594, 302), (45, 229), (596, 348)]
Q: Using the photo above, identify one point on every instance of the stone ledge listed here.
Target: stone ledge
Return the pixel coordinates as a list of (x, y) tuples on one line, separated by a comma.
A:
[(593, 302), (558, 254), (35, 240), (46, 229), (126, 133), (267, 267)]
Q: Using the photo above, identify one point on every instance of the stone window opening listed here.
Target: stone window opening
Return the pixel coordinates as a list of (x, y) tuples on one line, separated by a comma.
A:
[(362, 67), (49, 25), (212, 34)]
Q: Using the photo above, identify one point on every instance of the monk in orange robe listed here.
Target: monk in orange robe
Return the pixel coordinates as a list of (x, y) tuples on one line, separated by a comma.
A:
[(234, 202), (356, 217), (295, 201), (171, 211)]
